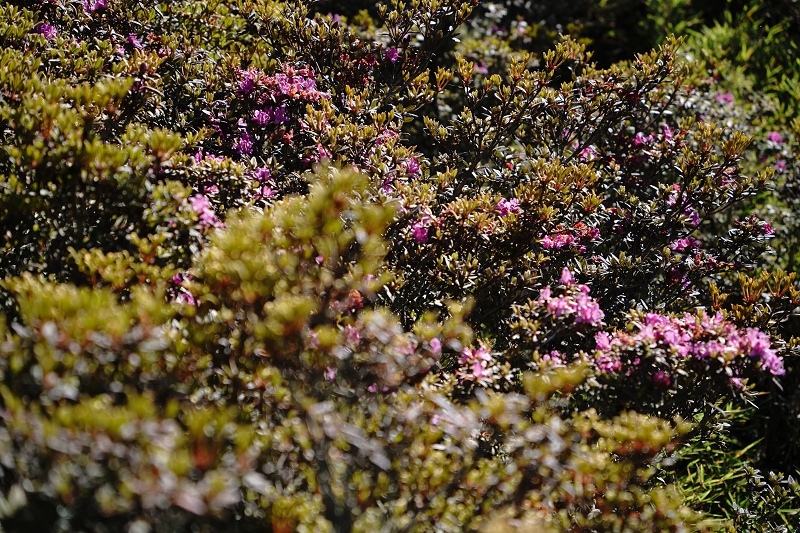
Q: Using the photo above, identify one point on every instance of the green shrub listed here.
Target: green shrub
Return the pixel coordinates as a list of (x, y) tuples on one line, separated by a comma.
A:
[(270, 268)]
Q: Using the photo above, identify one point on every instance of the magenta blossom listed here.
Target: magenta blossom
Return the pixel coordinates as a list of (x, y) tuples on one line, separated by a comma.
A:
[(134, 41), (476, 365), (558, 241), (661, 379), (412, 166), (244, 144), (48, 31), (685, 243), (775, 137), (435, 346), (641, 139), (420, 232), (202, 206), (575, 303), (95, 6), (698, 336), (506, 207), (724, 98), (392, 54), (588, 154), (566, 277)]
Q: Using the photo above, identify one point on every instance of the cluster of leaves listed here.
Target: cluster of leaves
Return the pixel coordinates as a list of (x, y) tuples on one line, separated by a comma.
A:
[(269, 267)]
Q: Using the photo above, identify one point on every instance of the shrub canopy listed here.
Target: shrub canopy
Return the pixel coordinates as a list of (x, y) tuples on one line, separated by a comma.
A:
[(426, 267)]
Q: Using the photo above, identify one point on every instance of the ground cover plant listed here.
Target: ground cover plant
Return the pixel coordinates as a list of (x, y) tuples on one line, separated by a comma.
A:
[(421, 266)]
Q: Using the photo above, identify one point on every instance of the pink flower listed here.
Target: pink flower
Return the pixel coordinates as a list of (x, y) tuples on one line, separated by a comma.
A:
[(724, 98), (507, 207), (602, 341), (588, 154), (392, 54), (559, 306), (607, 363), (185, 297), (134, 41), (474, 354), (700, 337), (248, 83), (262, 174), (640, 139), (566, 277), (685, 243), (352, 335), (674, 194), (312, 340), (436, 346), (202, 206), (558, 241), (420, 232), (661, 379), (587, 311), (554, 358), (544, 294), (93, 7), (412, 166), (420, 229), (49, 32), (693, 216), (265, 192), (476, 361), (262, 117), (244, 144), (279, 115), (775, 137)]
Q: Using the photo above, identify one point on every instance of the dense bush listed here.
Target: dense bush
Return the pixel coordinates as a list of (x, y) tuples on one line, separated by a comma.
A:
[(421, 268)]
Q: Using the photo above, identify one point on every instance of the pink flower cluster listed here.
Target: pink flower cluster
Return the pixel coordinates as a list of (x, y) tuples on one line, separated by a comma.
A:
[(290, 84), (269, 102), (690, 336), (202, 206), (574, 238), (48, 31), (685, 243), (475, 365), (94, 6), (507, 207), (270, 115), (640, 139), (412, 166), (420, 230), (589, 153), (393, 55), (575, 303), (724, 98), (775, 137)]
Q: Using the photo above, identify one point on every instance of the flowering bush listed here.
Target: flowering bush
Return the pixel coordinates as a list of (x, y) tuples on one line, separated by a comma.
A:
[(418, 268)]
